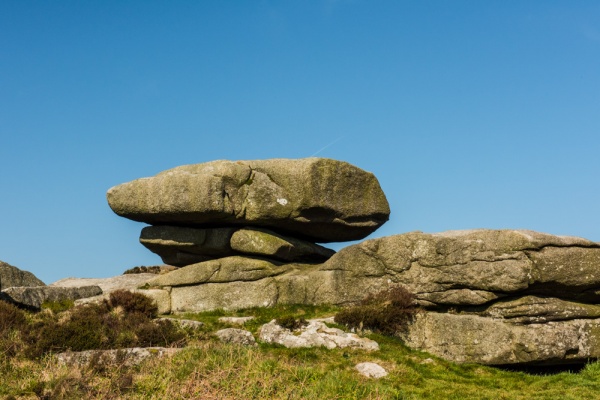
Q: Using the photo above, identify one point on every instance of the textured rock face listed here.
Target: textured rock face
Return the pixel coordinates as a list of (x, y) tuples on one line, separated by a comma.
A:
[(12, 276), (34, 297), (475, 339), (125, 357), (537, 295), (314, 198), (236, 336), (182, 246), (315, 334)]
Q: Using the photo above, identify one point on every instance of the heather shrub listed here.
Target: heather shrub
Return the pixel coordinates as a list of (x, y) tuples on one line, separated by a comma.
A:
[(132, 302), (388, 311), (124, 320), (12, 321), (11, 317)]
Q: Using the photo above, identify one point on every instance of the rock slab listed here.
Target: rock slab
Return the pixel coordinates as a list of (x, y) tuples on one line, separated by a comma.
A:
[(181, 246), (317, 199), (35, 296)]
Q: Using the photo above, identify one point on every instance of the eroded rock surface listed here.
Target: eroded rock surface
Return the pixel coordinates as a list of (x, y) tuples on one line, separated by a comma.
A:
[(538, 294), (236, 336), (315, 334), (494, 341), (11, 276), (313, 198), (127, 357), (35, 296)]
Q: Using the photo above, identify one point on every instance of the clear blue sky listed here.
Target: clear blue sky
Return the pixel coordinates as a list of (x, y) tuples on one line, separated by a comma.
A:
[(472, 114)]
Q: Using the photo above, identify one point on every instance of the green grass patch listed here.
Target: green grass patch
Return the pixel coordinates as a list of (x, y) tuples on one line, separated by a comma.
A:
[(209, 369)]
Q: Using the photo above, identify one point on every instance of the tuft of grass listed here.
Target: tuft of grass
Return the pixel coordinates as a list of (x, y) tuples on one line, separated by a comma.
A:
[(58, 305)]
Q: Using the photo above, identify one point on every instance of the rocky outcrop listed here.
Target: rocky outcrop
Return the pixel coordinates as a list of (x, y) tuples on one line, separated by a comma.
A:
[(243, 234), (34, 296), (314, 198), (11, 276), (529, 289), (469, 338)]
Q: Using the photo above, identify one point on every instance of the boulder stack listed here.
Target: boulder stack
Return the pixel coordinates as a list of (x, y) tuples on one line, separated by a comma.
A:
[(270, 209), (244, 233)]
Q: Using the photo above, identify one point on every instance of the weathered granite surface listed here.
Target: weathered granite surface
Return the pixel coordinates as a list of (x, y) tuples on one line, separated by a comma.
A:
[(531, 290), (313, 198), (11, 276)]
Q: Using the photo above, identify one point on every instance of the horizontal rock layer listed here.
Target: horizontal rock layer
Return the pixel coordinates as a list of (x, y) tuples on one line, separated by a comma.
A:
[(314, 198), (182, 246), (475, 339)]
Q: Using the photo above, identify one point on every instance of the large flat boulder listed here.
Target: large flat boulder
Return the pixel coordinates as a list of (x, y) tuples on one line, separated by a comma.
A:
[(313, 198), (475, 339), (11, 276), (182, 246)]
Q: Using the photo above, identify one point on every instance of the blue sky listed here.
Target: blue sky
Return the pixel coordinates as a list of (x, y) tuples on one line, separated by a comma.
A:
[(472, 114)]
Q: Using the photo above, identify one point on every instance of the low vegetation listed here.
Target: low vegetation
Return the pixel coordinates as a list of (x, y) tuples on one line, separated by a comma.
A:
[(208, 369), (387, 312)]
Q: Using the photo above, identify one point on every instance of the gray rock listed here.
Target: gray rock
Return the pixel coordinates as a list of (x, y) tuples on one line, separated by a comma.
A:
[(315, 334), (11, 276), (534, 309), (452, 269), (235, 320), (182, 246), (495, 297), (236, 336), (35, 296), (222, 270), (476, 339), (469, 268), (124, 282), (314, 198), (371, 370), (125, 357)]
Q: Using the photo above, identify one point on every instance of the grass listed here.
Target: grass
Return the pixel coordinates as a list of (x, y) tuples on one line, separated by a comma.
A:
[(209, 369)]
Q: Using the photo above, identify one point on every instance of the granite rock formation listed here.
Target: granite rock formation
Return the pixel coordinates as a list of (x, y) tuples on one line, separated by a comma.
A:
[(243, 236), (488, 296), (316, 199), (11, 276), (180, 246)]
